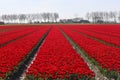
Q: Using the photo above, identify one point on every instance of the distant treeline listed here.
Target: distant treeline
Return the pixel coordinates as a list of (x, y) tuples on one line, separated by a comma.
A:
[(96, 17), (30, 18), (91, 17), (104, 17)]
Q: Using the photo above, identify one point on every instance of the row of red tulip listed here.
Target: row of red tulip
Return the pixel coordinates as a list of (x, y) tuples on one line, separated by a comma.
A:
[(107, 56), (13, 31), (9, 37), (12, 54), (109, 33), (58, 59), (4, 29), (106, 29), (108, 38), (102, 30)]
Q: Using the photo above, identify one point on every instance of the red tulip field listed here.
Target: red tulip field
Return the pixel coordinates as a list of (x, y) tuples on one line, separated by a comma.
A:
[(48, 54)]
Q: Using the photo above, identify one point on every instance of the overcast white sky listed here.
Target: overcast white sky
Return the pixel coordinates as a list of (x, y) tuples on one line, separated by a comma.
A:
[(65, 8)]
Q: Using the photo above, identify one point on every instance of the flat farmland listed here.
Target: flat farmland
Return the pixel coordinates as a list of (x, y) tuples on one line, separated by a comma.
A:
[(60, 52)]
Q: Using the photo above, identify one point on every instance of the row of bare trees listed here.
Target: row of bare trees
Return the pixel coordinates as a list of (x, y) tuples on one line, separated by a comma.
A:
[(106, 17), (30, 18)]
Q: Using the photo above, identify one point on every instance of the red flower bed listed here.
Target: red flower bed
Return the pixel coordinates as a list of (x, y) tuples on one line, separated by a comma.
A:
[(58, 59), (13, 31), (105, 32), (107, 56), (105, 29), (10, 37), (109, 37), (12, 54), (6, 29)]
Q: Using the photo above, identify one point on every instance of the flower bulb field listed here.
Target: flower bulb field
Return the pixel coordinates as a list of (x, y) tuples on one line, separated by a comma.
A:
[(45, 52)]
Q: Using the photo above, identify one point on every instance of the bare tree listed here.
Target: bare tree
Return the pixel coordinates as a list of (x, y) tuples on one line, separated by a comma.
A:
[(119, 16), (115, 16), (111, 15), (95, 17), (48, 15), (56, 16), (106, 17), (39, 17), (88, 16), (4, 18), (44, 16), (14, 17), (22, 18)]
